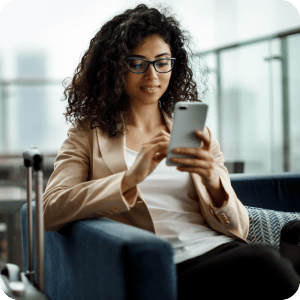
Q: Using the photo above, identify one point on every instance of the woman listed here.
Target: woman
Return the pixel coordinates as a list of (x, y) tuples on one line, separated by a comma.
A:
[(112, 164)]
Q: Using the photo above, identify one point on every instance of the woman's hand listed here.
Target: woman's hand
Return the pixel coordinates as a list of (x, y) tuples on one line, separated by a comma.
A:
[(203, 165), (149, 156)]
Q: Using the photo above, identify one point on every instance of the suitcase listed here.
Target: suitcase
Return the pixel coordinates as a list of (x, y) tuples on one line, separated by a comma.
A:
[(20, 285)]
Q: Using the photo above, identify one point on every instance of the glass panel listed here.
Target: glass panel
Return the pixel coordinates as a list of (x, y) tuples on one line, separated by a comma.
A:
[(294, 93), (56, 125), (246, 107), (29, 115), (2, 119), (35, 118), (276, 112), (210, 97)]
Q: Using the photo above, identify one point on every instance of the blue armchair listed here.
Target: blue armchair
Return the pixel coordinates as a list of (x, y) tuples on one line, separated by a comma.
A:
[(104, 259)]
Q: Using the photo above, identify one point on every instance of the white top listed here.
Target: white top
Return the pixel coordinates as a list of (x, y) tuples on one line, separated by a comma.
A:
[(176, 216)]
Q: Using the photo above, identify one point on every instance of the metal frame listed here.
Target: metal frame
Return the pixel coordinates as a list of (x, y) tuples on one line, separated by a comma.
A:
[(217, 51), (285, 85)]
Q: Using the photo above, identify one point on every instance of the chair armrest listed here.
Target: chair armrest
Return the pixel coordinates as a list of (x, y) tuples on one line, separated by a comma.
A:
[(105, 259)]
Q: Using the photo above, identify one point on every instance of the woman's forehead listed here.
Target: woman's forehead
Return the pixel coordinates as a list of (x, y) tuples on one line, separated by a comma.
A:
[(151, 45)]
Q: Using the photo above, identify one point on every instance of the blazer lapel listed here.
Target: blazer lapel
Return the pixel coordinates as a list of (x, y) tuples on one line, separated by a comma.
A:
[(113, 151)]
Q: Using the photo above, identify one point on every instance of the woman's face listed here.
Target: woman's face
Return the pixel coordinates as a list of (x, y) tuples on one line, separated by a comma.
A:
[(148, 87)]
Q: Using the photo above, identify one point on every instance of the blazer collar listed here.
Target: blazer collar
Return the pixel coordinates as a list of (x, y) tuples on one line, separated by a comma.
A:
[(113, 150)]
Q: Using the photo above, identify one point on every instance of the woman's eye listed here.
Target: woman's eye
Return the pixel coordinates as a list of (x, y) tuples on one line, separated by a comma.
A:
[(164, 62), (136, 64)]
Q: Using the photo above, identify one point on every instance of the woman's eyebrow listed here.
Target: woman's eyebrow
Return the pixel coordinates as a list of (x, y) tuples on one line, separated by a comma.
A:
[(141, 56)]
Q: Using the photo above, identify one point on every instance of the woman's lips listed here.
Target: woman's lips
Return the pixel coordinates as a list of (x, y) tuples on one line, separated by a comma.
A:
[(150, 89)]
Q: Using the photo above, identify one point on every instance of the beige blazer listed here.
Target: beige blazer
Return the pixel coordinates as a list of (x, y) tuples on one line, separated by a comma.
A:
[(86, 183)]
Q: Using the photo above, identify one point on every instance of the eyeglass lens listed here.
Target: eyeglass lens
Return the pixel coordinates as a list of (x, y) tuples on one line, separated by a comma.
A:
[(139, 65)]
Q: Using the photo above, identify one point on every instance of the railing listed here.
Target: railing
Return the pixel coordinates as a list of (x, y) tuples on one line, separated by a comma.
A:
[(285, 84), (221, 119)]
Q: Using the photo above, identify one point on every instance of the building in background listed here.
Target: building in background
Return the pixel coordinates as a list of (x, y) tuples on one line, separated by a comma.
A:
[(31, 109)]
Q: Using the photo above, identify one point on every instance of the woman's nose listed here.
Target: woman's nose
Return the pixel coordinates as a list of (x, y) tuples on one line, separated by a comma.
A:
[(151, 73)]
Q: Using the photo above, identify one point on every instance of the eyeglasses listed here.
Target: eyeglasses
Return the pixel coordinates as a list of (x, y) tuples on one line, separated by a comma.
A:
[(140, 65)]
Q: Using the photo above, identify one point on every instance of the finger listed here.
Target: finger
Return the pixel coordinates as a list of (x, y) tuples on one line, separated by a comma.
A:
[(159, 150), (192, 162), (162, 133), (204, 138), (156, 139), (198, 153)]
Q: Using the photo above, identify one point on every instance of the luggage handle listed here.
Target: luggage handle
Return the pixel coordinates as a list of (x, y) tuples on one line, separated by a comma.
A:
[(33, 158), (14, 283)]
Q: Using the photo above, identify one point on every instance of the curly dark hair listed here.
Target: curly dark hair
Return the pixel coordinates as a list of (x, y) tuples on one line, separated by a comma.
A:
[(96, 95)]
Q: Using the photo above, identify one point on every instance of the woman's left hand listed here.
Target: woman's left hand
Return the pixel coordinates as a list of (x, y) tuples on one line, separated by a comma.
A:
[(202, 163)]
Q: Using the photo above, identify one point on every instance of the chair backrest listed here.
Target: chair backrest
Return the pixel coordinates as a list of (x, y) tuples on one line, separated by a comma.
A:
[(279, 192)]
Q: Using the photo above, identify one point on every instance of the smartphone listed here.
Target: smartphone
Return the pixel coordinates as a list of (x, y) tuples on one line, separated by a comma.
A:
[(188, 117)]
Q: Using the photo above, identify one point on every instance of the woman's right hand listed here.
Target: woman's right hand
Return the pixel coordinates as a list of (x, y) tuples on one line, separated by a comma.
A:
[(149, 156)]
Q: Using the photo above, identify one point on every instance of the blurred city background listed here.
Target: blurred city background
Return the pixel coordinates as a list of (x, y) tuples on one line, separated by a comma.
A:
[(250, 47)]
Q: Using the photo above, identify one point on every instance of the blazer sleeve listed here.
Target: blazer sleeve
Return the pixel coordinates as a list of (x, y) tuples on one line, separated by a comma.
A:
[(232, 215), (70, 195)]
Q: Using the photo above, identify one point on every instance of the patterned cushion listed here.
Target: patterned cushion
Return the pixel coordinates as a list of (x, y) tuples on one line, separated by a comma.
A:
[(265, 225)]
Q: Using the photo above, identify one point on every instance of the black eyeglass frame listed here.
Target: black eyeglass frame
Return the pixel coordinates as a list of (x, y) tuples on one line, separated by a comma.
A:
[(150, 62)]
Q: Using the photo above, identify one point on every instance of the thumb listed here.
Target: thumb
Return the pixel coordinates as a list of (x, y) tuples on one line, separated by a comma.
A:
[(205, 140)]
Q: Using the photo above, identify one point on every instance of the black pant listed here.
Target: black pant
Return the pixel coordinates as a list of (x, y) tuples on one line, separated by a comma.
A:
[(236, 270)]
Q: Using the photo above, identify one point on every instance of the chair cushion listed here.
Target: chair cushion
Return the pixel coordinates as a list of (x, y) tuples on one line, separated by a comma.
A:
[(265, 225)]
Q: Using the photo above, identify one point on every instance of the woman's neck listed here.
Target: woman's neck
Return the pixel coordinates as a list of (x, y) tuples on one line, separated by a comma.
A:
[(146, 118)]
